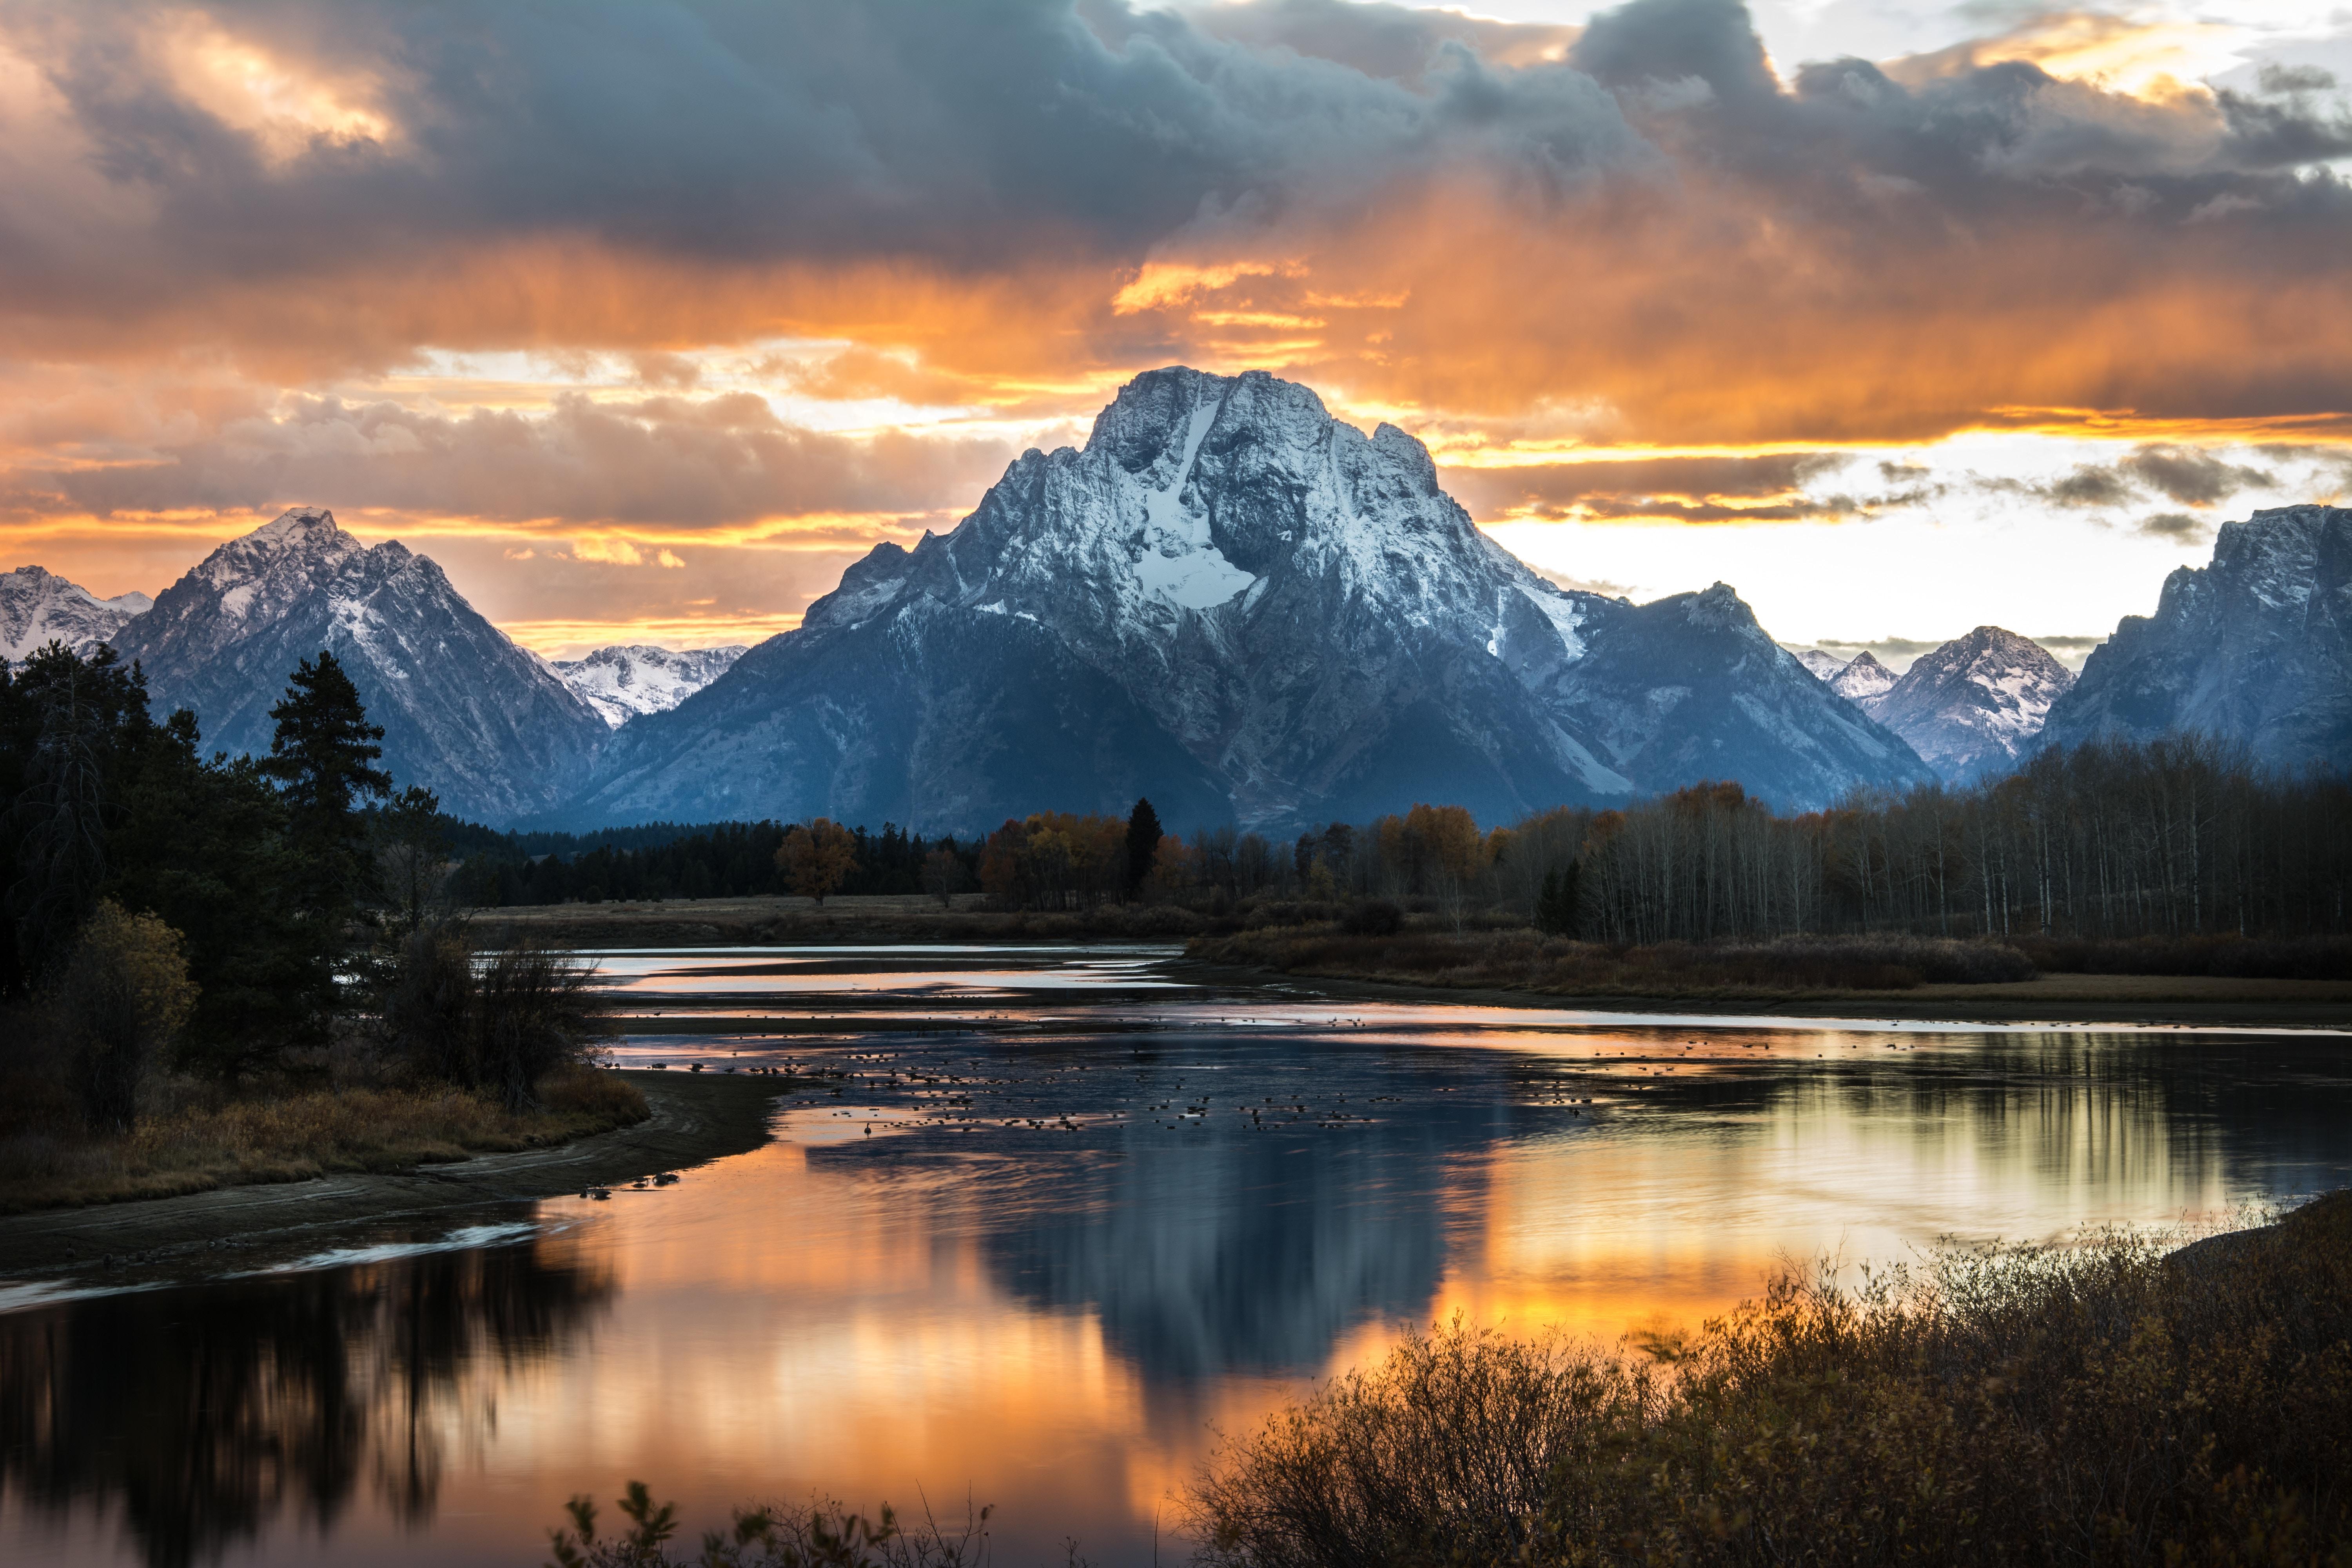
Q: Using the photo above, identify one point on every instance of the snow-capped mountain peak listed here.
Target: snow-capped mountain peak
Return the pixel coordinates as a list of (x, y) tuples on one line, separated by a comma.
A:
[(38, 607), (626, 680), (2254, 647), (1975, 704), (1862, 678), (1823, 666), (465, 712), (1248, 609)]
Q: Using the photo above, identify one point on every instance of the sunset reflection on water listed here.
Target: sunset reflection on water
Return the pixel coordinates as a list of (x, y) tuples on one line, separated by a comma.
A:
[(1057, 1320)]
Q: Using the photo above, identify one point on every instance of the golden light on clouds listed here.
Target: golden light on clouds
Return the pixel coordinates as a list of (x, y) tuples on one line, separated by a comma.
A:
[(287, 105), (578, 347)]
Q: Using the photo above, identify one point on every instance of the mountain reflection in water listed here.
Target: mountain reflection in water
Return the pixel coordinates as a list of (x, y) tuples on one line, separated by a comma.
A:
[(1041, 1249)]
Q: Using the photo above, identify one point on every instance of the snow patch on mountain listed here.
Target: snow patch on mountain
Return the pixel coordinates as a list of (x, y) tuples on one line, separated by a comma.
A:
[(1976, 704), (2254, 648), (1862, 679), (1823, 666), (38, 607), (1251, 610), (621, 681), (484, 724)]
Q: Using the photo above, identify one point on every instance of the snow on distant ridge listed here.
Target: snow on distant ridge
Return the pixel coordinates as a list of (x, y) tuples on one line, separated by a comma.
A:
[(1862, 679), (1824, 666), (626, 680), (38, 606)]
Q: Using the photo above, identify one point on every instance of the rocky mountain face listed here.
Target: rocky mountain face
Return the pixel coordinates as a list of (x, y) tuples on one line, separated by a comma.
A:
[(38, 607), (466, 713), (2254, 647), (1976, 705), (1862, 679), (1235, 603), (624, 680)]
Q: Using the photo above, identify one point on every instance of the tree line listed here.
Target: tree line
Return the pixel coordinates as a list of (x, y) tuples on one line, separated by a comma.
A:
[(237, 916), (2176, 837)]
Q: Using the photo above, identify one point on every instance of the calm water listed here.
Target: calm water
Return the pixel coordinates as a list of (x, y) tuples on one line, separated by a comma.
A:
[(1070, 1216)]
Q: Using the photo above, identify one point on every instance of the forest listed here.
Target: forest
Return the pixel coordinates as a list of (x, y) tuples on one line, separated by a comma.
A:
[(195, 936), (2176, 837)]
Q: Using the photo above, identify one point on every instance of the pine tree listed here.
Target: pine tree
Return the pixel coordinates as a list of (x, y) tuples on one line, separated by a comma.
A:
[(1556, 908), (323, 759), (1143, 836)]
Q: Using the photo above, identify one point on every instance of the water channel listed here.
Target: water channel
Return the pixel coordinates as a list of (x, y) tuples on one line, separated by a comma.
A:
[(1071, 1215)]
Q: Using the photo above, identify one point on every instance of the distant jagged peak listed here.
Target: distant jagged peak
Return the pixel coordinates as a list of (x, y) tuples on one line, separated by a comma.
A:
[(1862, 678), (38, 607), (1992, 656), (626, 679), (1820, 665)]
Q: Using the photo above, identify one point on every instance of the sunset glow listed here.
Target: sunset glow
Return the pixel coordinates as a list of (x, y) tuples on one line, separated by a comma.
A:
[(1667, 303)]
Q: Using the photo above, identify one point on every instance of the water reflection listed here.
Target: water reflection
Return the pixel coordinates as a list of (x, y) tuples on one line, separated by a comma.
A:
[(205, 1416), (1041, 1253)]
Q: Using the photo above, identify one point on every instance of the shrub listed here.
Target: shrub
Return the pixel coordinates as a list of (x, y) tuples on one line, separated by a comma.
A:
[(2249, 958), (2104, 1404), (124, 999), (1374, 917), (817, 1535), (500, 1023)]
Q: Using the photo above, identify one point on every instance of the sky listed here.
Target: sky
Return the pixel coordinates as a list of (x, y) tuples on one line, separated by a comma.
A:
[(644, 316)]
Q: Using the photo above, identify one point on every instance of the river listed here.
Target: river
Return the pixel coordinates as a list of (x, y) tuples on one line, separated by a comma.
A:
[(1071, 1215)]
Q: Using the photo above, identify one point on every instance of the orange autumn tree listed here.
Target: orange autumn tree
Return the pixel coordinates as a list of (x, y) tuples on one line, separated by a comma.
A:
[(816, 858), (1055, 859)]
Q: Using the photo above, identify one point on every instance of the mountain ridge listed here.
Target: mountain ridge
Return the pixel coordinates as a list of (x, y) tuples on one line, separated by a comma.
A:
[(38, 607), (465, 712), (2254, 648), (1291, 618)]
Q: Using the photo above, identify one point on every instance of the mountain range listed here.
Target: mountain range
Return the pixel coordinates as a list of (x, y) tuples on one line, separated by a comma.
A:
[(626, 680), (2254, 647), (1973, 706), (465, 712), (1250, 611), (1226, 599), (38, 607)]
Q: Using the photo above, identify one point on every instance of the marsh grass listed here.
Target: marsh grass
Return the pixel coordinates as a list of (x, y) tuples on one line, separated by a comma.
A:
[(816, 1534), (2099, 1405), (195, 1138), (1525, 960)]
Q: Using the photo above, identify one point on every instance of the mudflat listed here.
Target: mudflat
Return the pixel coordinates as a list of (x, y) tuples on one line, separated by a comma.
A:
[(696, 1117)]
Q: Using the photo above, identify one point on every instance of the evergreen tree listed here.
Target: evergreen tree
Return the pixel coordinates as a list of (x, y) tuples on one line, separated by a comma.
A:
[(412, 857), (323, 759), (1556, 903), (206, 846), (68, 718), (1143, 836)]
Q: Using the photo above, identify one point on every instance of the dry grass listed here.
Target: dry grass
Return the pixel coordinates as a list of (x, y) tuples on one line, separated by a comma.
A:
[(2222, 957), (2103, 1405), (1524, 960), (210, 1140)]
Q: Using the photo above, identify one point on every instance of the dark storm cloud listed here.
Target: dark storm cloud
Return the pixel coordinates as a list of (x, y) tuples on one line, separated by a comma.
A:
[(2182, 474), (2175, 525), (970, 134), (1767, 487), (2278, 78), (1425, 210)]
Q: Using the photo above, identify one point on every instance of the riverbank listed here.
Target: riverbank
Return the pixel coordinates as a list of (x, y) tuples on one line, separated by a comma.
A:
[(781, 920), (2195, 1406), (692, 1118)]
